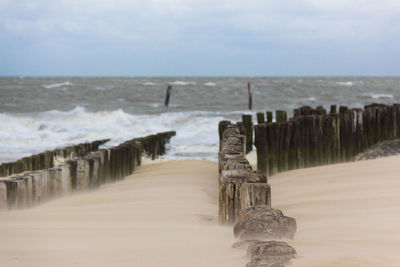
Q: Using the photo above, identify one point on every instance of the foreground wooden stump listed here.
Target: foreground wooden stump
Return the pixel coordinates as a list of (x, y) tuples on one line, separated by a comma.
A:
[(270, 254), (264, 223)]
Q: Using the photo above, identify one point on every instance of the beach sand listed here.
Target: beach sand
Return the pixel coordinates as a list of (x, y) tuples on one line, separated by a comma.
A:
[(165, 214), (347, 214)]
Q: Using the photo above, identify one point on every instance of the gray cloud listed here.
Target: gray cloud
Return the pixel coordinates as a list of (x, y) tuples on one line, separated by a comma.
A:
[(175, 31)]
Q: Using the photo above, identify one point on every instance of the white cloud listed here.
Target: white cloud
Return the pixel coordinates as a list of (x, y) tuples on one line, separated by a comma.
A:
[(288, 20)]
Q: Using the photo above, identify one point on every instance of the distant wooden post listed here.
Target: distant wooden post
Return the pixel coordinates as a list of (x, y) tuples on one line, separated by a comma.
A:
[(250, 95), (169, 88)]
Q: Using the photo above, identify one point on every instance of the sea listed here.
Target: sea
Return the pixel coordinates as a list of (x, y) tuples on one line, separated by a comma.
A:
[(38, 113)]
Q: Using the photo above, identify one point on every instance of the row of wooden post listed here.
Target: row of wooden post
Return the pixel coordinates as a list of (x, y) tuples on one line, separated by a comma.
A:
[(239, 185), (80, 173), (316, 137), (46, 159)]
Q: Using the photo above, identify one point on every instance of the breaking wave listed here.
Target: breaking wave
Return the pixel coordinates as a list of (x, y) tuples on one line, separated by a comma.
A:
[(56, 85)]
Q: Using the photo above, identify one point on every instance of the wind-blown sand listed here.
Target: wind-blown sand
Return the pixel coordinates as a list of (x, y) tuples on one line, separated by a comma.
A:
[(163, 215), (347, 214), (166, 215)]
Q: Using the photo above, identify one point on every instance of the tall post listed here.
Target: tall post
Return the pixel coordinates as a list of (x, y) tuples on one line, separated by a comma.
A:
[(250, 95), (169, 88)]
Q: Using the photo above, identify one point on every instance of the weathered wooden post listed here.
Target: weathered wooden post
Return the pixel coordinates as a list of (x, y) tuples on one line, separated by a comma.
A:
[(254, 194), (260, 117), (333, 109), (12, 193), (269, 116), (83, 174), (280, 137), (313, 147), (260, 141), (336, 138), (248, 125), (396, 120), (169, 88), (305, 142), (320, 111), (3, 195), (358, 136), (271, 134), (250, 91), (319, 140), (221, 128), (281, 116), (342, 109), (286, 145)]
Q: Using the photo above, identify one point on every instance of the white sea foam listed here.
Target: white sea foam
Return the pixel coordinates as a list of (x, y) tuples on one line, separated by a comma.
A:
[(56, 85), (148, 84), (26, 134), (182, 83), (378, 96), (210, 84), (349, 83), (155, 105)]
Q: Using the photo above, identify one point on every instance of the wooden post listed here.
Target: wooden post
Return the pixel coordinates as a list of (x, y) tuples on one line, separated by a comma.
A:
[(3, 195), (250, 95), (260, 141), (286, 145), (333, 109), (396, 120), (342, 109), (248, 125), (319, 140), (320, 111), (336, 138), (313, 146), (221, 128), (260, 117), (12, 193), (169, 88), (281, 116), (254, 194), (269, 116), (292, 157), (272, 144), (358, 138)]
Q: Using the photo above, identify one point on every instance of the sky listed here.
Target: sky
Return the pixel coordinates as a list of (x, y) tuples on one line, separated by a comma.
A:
[(200, 38)]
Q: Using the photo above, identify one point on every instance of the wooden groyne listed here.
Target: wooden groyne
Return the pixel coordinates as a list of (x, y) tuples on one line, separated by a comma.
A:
[(82, 172), (239, 185), (314, 137), (245, 201), (48, 159)]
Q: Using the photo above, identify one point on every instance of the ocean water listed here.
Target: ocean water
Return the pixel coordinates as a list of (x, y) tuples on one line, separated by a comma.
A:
[(37, 114)]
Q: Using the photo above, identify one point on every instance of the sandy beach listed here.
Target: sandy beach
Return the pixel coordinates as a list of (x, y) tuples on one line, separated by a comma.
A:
[(165, 214), (347, 214)]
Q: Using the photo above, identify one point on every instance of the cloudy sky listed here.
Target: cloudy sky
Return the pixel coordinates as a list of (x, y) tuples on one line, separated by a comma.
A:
[(200, 38)]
